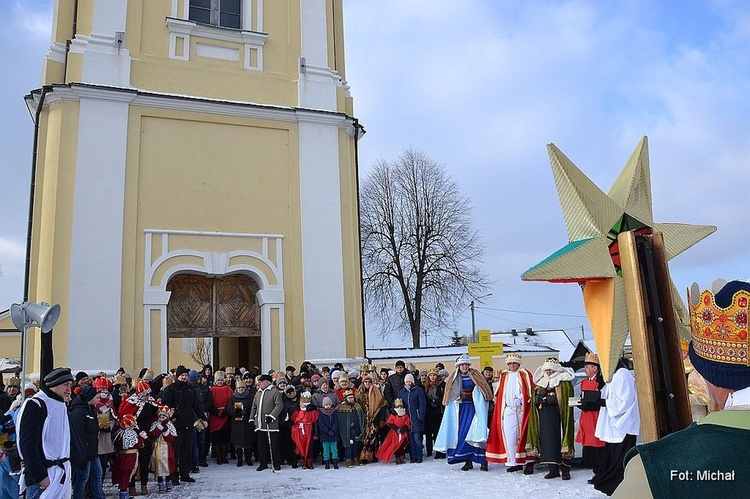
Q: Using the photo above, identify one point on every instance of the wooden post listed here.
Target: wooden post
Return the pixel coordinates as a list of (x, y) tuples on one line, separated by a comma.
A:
[(660, 378)]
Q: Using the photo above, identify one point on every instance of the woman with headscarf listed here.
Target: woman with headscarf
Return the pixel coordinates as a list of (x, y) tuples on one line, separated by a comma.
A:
[(375, 409), (552, 436), (463, 431)]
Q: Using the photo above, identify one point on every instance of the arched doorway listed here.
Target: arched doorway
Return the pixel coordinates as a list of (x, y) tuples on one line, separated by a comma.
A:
[(222, 311)]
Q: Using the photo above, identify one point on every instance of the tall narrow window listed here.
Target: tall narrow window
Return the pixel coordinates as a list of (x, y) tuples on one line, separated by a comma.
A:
[(225, 13)]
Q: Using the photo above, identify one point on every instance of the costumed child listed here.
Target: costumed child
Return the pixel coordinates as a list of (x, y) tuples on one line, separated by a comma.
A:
[(328, 432), (304, 429), (398, 434), (106, 418), (127, 440), (162, 434), (351, 428)]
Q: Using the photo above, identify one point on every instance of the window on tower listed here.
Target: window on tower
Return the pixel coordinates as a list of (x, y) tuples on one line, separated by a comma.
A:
[(224, 13)]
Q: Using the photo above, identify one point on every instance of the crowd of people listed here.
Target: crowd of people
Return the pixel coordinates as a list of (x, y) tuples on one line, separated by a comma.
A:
[(151, 433)]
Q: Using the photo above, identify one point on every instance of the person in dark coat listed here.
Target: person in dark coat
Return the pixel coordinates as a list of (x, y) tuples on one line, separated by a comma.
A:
[(291, 403), (84, 427), (434, 389), (351, 428), (182, 399), (242, 432), (394, 383), (328, 431), (415, 403), (200, 429)]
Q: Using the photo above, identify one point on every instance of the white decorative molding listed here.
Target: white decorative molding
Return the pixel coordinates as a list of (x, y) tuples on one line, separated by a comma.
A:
[(241, 109), (270, 295), (56, 52), (185, 29), (216, 52)]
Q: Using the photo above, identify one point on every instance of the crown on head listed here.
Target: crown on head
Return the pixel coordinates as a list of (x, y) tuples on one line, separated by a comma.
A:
[(719, 334), (591, 358)]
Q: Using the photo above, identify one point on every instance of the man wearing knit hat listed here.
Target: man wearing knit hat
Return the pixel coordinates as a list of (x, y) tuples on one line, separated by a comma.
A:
[(510, 422), (181, 397), (394, 383), (705, 459), (84, 425), (44, 438)]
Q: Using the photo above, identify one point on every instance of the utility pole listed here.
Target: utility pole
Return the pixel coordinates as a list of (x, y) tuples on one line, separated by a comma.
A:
[(473, 326)]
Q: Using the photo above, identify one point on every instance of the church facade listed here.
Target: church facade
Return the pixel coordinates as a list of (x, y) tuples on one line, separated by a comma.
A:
[(196, 179)]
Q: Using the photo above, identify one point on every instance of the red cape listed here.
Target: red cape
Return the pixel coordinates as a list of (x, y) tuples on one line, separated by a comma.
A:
[(220, 395), (393, 441), (303, 426), (496, 449)]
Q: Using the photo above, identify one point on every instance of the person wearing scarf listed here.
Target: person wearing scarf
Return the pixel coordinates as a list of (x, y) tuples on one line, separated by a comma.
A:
[(241, 432), (551, 434), (463, 430), (375, 409)]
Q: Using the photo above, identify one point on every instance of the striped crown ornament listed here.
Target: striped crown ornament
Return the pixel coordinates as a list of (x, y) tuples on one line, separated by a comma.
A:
[(719, 333)]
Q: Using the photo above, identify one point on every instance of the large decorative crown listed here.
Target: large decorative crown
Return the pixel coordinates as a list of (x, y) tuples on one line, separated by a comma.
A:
[(591, 358), (513, 357), (719, 333)]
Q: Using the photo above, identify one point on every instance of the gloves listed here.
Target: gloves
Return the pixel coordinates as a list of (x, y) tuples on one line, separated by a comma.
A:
[(269, 419), (331, 433)]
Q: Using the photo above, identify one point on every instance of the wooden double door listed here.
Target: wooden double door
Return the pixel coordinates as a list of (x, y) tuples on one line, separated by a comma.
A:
[(224, 309)]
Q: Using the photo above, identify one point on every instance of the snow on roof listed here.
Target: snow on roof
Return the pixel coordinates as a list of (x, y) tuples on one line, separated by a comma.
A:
[(394, 353)]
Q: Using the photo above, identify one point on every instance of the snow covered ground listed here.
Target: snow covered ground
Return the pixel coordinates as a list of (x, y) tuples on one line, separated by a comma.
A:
[(430, 479)]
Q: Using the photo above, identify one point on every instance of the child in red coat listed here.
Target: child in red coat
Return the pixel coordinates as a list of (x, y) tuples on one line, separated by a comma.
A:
[(398, 435), (127, 441), (303, 429), (163, 433)]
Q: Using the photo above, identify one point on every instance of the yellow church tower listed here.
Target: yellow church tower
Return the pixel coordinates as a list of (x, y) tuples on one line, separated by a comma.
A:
[(196, 177)]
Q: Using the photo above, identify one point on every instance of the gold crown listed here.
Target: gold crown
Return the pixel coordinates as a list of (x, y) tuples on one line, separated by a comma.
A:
[(591, 357), (719, 334), (513, 357)]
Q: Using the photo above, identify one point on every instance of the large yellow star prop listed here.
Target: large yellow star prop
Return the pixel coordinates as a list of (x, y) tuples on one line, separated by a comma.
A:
[(594, 219)]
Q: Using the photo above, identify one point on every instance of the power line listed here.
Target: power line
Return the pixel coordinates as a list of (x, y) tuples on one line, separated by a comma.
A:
[(530, 313)]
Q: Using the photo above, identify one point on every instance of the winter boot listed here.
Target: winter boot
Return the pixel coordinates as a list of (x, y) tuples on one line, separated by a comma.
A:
[(328, 464), (161, 487), (335, 464), (144, 490), (484, 467), (249, 457), (357, 462), (309, 463), (132, 491), (232, 454), (348, 463), (468, 465), (168, 485), (565, 473), (124, 494), (295, 462), (239, 457), (439, 455)]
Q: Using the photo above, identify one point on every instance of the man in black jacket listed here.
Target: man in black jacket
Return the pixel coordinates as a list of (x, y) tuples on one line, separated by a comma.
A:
[(84, 427), (395, 383), (203, 396), (182, 399)]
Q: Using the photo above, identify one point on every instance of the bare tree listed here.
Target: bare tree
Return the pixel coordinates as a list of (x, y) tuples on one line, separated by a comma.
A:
[(420, 254), (200, 351)]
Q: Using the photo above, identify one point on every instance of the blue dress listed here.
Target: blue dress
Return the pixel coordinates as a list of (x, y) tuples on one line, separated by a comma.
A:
[(465, 451)]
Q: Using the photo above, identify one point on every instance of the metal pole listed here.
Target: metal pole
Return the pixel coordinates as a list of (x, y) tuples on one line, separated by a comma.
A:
[(23, 358), (473, 326)]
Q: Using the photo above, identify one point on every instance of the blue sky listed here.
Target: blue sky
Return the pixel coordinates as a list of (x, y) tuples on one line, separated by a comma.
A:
[(482, 86)]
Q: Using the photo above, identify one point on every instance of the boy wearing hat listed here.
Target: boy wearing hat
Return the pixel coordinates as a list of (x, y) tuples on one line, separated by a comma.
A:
[(44, 441), (591, 402), (351, 427), (163, 434), (328, 432), (510, 422)]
